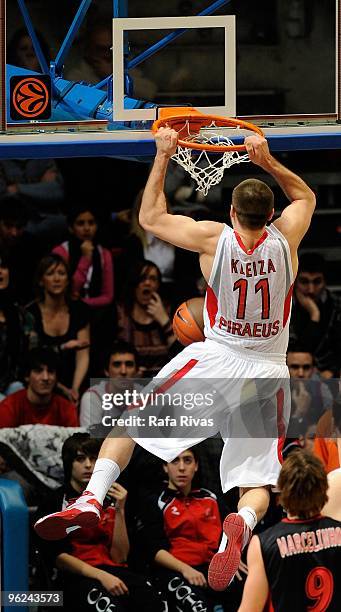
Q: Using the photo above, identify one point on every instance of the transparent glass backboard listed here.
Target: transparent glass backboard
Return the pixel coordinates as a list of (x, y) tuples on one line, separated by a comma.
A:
[(274, 60)]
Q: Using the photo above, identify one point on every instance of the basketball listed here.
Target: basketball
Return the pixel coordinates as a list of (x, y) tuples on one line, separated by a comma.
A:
[(188, 321)]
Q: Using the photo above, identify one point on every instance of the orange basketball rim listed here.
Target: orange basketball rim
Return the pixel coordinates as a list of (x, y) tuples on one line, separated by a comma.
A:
[(188, 122)]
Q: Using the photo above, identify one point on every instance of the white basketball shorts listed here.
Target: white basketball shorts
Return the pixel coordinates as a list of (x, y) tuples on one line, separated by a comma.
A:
[(251, 410)]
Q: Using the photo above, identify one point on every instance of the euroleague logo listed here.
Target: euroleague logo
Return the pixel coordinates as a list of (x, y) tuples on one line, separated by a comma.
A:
[(30, 97)]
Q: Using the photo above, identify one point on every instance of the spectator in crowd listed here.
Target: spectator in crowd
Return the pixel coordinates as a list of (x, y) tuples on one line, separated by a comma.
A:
[(90, 264), (39, 183), (179, 269), (180, 531), (39, 403), (144, 245), (61, 323), (327, 431), (93, 561), (91, 268), (333, 505), (120, 365), (292, 561), (20, 50), (14, 326), (96, 61), (310, 396), (143, 319), (316, 315), (21, 248)]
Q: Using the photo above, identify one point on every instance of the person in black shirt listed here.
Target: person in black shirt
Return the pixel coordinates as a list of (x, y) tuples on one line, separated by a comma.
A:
[(61, 323), (298, 561), (316, 315)]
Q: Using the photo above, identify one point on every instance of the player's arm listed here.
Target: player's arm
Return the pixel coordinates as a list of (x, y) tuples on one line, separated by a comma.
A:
[(295, 218), (256, 587), (182, 231)]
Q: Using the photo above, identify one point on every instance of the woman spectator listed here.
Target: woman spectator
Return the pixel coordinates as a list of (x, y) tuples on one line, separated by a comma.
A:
[(179, 269), (90, 264), (143, 319), (61, 323), (13, 325), (20, 50)]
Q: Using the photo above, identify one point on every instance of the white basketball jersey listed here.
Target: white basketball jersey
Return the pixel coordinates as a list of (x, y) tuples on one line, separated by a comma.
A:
[(248, 298)]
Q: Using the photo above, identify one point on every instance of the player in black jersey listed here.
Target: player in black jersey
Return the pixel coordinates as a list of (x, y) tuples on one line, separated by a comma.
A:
[(296, 565)]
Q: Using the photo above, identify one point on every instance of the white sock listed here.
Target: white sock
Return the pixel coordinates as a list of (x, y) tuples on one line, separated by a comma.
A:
[(105, 473), (249, 516), (223, 543)]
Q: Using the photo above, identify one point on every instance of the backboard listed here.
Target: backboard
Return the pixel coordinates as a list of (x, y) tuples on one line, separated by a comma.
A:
[(274, 61)]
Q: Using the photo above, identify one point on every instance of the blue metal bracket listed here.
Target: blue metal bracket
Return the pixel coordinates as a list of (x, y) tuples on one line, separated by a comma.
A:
[(168, 39), (120, 8), (70, 36), (36, 45), (163, 42)]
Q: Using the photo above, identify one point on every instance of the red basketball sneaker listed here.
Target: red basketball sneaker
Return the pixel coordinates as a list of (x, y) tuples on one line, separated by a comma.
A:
[(84, 512), (224, 564)]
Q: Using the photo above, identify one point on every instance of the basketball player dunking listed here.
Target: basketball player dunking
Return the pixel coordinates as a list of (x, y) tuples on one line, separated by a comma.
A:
[(298, 561), (250, 271)]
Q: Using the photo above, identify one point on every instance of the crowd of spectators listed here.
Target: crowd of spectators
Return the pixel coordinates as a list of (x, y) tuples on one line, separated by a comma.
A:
[(81, 317)]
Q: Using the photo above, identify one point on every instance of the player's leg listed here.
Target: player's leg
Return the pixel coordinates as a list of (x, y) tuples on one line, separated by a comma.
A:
[(257, 499), (251, 460), (237, 531), (115, 454)]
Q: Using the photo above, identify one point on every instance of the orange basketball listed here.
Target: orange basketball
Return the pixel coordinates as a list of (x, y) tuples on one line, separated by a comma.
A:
[(188, 321)]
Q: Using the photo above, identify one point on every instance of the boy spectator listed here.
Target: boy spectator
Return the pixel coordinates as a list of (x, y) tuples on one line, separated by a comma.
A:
[(93, 561), (39, 403), (120, 364), (181, 530), (298, 561), (316, 315)]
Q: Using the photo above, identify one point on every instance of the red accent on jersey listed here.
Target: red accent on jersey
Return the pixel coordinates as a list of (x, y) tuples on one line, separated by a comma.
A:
[(309, 520), (242, 245), (280, 424), (212, 305), (287, 305)]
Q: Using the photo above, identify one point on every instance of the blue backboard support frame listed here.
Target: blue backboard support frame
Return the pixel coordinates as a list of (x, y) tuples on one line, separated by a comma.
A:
[(73, 138)]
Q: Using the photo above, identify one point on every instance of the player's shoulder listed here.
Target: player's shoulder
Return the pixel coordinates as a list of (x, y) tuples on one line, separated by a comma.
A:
[(211, 228)]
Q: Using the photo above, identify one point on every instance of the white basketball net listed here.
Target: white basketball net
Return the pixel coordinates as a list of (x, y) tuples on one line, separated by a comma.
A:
[(205, 167)]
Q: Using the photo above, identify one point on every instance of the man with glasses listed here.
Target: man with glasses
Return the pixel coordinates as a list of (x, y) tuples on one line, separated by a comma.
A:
[(316, 315)]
